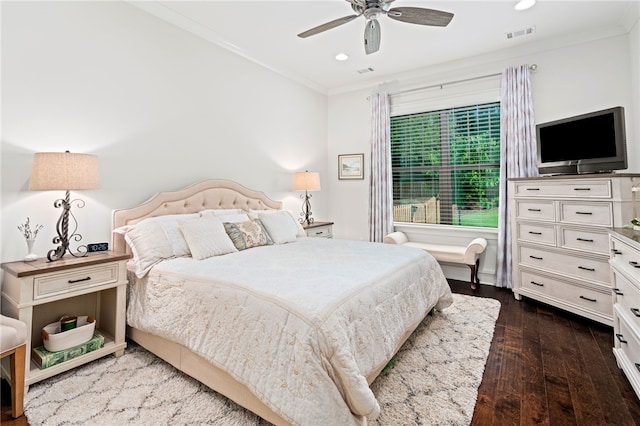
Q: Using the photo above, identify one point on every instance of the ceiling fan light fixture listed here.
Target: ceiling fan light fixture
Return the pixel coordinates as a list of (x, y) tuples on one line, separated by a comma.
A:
[(524, 5)]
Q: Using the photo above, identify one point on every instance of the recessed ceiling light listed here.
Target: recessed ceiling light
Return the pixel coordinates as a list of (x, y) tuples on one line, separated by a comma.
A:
[(524, 4), (342, 57)]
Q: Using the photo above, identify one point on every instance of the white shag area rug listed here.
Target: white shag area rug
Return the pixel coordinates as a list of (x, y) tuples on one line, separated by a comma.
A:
[(434, 381)]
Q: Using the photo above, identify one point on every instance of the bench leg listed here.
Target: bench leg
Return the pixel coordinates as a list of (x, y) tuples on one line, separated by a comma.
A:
[(474, 274)]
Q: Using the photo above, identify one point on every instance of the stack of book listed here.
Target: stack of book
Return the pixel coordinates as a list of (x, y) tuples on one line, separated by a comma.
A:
[(45, 359)]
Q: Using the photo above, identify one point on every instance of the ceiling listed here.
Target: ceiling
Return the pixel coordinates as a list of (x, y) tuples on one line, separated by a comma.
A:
[(266, 31)]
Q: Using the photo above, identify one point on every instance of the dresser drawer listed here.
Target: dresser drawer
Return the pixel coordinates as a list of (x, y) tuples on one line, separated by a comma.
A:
[(74, 280), (567, 264), (536, 233), (582, 297), (598, 214), (586, 240), (536, 210), (565, 188), (627, 296), (625, 257), (627, 341)]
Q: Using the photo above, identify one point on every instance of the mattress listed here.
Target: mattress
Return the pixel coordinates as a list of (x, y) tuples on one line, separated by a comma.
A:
[(301, 324)]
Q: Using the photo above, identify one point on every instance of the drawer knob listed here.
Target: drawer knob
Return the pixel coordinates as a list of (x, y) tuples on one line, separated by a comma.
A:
[(586, 240), (588, 299), (634, 264), (618, 292), (584, 268), (79, 280), (635, 311), (538, 284), (620, 338)]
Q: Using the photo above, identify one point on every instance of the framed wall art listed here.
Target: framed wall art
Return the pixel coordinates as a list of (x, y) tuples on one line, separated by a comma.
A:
[(351, 166)]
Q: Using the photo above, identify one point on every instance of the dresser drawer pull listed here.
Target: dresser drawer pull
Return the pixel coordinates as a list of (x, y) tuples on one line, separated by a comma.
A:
[(534, 210), (621, 338), (586, 269), (588, 213), (535, 233), (588, 299), (618, 292), (582, 189), (616, 251), (535, 257), (635, 311), (79, 280), (634, 264), (638, 366), (319, 232), (533, 189), (586, 240), (538, 284)]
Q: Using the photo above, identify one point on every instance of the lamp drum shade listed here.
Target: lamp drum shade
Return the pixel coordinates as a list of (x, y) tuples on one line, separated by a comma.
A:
[(64, 171), (306, 181)]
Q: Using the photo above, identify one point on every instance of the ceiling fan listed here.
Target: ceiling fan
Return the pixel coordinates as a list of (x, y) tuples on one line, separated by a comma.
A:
[(373, 9)]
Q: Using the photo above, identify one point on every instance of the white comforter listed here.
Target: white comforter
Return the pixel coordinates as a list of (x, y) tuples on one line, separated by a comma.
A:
[(301, 324)]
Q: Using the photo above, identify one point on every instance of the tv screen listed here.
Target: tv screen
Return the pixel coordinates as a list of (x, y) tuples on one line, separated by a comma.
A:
[(588, 143)]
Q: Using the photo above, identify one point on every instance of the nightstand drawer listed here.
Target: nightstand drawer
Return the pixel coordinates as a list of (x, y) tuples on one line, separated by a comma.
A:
[(69, 281), (323, 232)]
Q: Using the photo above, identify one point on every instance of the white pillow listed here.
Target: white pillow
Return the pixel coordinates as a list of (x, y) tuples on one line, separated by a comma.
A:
[(220, 212), (171, 228), (206, 237), (281, 226), (255, 214), (149, 245)]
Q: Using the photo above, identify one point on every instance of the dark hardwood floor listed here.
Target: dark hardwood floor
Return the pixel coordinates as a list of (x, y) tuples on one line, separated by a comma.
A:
[(546, 367)]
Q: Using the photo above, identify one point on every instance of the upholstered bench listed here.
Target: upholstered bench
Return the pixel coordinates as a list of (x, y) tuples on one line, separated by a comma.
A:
[(468, 255), (13, 343)]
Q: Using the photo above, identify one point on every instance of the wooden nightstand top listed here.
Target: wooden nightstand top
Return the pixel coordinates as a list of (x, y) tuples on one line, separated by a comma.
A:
[(316, 225), (43, 265)]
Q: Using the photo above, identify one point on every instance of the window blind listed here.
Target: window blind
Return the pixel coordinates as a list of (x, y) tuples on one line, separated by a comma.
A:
[(446, 165)]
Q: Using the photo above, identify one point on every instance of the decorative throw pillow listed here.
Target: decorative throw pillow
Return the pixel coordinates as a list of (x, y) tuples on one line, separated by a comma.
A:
[(149, 245), (250, 233), (206, 237), (170, 225), (255, 214), (280, 225)]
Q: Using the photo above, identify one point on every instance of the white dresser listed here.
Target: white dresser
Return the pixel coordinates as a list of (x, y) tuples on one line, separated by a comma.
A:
[(625, 270), (560, 239)]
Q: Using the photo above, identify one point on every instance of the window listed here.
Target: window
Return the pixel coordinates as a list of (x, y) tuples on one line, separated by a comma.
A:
[(446, 166)]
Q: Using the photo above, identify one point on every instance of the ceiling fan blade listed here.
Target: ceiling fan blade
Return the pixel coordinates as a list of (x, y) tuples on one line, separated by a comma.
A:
[(327, 26), (421, 16), (372, 36)]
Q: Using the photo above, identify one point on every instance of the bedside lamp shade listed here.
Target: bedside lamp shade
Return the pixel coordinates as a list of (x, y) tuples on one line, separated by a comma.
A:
[(306, 181), (64, 171)]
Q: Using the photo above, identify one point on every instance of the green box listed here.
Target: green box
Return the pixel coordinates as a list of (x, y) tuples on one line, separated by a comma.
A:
[(45, 359)]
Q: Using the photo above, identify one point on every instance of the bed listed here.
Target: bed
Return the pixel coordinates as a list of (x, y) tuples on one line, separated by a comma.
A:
[(293, 328)]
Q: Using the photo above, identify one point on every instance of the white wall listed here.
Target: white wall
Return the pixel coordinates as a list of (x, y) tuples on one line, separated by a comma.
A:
[(575, 78), (160, 107)]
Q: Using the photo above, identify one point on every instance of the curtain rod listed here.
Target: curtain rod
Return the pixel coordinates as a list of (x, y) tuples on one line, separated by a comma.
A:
[(532, 67)]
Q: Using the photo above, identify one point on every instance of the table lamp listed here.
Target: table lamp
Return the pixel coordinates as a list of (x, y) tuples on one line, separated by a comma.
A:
[(306, 181), (64, 171)]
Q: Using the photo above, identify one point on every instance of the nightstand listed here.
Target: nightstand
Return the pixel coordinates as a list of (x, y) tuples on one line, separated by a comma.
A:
[(40, 292), (319, 229)]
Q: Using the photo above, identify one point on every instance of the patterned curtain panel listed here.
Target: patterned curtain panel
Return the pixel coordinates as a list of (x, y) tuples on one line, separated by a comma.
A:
[(517, 154), (380, 183)]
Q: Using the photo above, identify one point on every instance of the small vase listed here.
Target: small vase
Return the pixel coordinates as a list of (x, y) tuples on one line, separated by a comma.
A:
[(31, 256)]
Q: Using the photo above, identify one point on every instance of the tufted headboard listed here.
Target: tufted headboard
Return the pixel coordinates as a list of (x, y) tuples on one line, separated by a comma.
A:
[(210, 194)]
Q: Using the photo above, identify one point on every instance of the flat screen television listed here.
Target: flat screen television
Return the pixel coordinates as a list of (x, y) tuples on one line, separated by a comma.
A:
[(587, 143)]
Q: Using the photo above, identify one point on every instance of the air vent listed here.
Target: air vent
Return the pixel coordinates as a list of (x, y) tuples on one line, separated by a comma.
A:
[(522, 32), (365, 70)]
